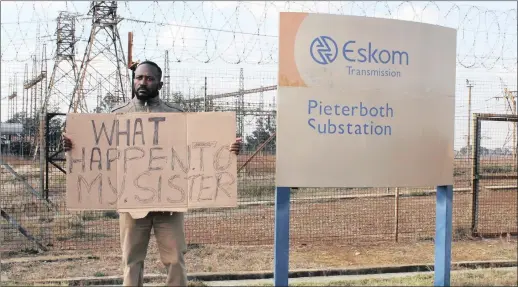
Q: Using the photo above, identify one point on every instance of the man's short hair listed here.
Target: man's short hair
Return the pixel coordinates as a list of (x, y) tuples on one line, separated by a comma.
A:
[(152, 64)]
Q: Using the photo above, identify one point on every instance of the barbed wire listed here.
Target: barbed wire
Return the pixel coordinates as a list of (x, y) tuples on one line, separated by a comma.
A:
[(247, 32)]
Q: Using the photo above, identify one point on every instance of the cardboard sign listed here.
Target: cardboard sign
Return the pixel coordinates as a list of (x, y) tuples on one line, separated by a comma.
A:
[(151, 161), (368, 104)]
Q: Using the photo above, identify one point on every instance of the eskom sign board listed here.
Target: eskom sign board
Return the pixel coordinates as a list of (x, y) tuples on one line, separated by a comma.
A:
[(364, 102)]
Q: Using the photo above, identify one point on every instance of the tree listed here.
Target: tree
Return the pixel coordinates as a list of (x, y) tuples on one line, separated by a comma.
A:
[(106, 104), (55, 130), (30, 125), (264, 129), (178, 98), (24, 145)]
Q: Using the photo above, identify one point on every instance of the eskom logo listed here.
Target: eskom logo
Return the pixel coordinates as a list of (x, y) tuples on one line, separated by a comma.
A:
[(323, 50)]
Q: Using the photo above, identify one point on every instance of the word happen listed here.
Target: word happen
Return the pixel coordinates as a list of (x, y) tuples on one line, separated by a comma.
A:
[(155, 158)]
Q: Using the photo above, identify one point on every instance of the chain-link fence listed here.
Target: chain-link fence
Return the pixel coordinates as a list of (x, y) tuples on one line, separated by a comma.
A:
[(495, 175), (33, 218), (45, 52)]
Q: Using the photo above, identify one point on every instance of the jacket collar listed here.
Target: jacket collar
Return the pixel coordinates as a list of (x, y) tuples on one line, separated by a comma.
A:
[(150, 102)]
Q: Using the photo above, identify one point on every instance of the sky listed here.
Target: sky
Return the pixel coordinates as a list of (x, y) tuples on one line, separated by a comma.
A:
[(230, 36)]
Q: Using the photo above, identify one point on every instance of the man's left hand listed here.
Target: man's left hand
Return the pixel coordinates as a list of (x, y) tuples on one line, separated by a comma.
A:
[(236, 146)]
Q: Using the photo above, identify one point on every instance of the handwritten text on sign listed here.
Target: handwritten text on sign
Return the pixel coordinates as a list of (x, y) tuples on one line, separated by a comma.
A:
[(156, 161)]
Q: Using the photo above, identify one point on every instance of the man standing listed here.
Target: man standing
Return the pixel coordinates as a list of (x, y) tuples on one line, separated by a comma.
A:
[(135, 227)]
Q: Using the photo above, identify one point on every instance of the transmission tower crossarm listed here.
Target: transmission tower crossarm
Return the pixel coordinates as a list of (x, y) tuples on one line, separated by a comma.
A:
[(31, 83), (234, 94)]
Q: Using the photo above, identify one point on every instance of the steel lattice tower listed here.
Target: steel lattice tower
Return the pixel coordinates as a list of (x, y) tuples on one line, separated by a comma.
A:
[(166, 89), (65, 68), (240, 105), (103, 59)]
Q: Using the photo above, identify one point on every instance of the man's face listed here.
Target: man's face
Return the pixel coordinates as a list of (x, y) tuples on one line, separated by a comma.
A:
[(147, 82)]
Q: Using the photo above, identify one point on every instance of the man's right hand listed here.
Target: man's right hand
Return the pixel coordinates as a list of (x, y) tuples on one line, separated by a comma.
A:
[(67, 143)]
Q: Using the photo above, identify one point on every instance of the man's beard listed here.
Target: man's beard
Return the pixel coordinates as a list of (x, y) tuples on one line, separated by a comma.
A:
[(145, 95)]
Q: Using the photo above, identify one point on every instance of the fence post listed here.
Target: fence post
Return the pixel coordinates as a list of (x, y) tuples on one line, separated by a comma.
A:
[(41, 150), (47, 140), (443, 234), (475, 173), (282, 236), (396, 214)]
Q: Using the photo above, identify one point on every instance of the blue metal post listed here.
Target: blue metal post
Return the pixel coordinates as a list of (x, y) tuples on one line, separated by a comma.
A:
[(282, 236), (443, 235)]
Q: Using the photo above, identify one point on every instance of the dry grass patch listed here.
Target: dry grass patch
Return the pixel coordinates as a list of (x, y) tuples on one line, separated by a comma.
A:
[(490, 277), (214, 258), (478, 278)]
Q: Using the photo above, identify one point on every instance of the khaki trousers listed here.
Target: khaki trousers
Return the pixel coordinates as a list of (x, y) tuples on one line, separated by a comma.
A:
[(170, 237)]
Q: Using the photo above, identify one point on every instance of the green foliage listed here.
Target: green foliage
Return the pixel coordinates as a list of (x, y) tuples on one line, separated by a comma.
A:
[(265, 127), (105, 105), (25, 144)]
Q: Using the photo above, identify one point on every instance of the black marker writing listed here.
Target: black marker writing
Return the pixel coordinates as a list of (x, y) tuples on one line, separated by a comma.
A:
[(191, 185), (184, 166), (117, 191), (151, 158), (98, 160), (126, 132), (141, 132), (111, 159), (152, 190), (217, 158), (75, 160), (97, 136), (155, 133), (178, 188), (81, 179), (159, 189), (202, 146), (202, 188), (126, 158), (220, 184)]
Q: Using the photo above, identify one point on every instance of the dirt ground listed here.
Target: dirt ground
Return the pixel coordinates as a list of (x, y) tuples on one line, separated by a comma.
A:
[(217, 258), (324, 234), (339, 221)]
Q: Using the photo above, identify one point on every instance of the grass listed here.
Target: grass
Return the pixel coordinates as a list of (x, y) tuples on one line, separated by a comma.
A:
[(99, 274), (231, 259), (14, 283), (488, 277), (257, 191)]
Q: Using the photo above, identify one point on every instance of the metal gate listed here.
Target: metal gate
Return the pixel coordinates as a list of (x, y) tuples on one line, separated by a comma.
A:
[(53, 151), (494, 175)]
